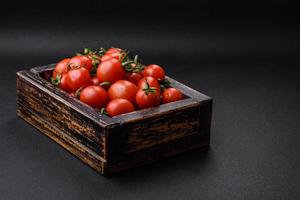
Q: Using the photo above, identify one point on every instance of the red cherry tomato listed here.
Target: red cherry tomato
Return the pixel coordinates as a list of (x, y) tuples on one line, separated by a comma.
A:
[(77, 78), (123, 89), (81, 61), (111, 53), (94, 96), (111, 71), (113, 50), (134, 77), (147, 99), (153, 82), (154, 71), (119, 106), (61, 67), (64, 83), (105, 57), (109, 56), (171, 94)]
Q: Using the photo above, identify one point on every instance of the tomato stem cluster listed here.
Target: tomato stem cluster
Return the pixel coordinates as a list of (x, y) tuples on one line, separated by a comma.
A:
[(89, 51), (129, 65), (94, 56)]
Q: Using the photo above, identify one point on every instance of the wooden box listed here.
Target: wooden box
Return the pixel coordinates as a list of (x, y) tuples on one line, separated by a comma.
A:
[(110, 145)]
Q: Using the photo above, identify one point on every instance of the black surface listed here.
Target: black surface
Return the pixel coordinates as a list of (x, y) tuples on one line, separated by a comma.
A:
[(242, 53)]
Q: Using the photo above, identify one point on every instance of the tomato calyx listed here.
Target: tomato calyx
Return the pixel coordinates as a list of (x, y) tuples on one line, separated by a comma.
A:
[(149, 89), (102, 51), (56, 81), (103, 111), (73, 66), (164, 84)]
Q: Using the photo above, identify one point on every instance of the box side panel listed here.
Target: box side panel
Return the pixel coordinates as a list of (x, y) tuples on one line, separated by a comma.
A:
[(162, 128), (151, 139), (205, 119), (53, 111), (63, 139), (157, 152)]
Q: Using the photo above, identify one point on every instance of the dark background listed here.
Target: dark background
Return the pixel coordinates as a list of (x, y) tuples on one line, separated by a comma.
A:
[(245, 54)]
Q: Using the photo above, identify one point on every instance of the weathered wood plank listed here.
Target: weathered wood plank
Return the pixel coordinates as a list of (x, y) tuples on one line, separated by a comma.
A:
[(206, 117), (171, 125), (42, 69), (63, 139), (157, 152), (63, 117), (160, 110)]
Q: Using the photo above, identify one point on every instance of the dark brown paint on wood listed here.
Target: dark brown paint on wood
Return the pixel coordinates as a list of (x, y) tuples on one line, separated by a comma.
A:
[(110, 145)]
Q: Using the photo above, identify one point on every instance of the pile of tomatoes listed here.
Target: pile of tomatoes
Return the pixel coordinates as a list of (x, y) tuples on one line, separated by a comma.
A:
[(109, 80)]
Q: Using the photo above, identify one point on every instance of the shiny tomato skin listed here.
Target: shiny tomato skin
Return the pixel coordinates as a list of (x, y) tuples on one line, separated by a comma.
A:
[(134, 77), (111, 71), (109, 56), (64, 83), (95, 80), (61, 67), (105, 57), (144, 100), (171, 94), (123, 89), (153, 82), (114, 55), (94, 96), (111, 53), (119, 106), (79, 77), (113, 50), (81, 61), (155, 71)]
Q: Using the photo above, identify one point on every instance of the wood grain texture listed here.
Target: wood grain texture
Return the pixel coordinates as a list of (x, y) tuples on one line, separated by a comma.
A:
[(110, 145), (73, 146), (61, 116), (157, 152), (166, 126)]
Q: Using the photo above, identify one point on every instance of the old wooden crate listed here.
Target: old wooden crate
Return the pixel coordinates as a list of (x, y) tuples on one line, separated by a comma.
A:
[(110, 145)]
